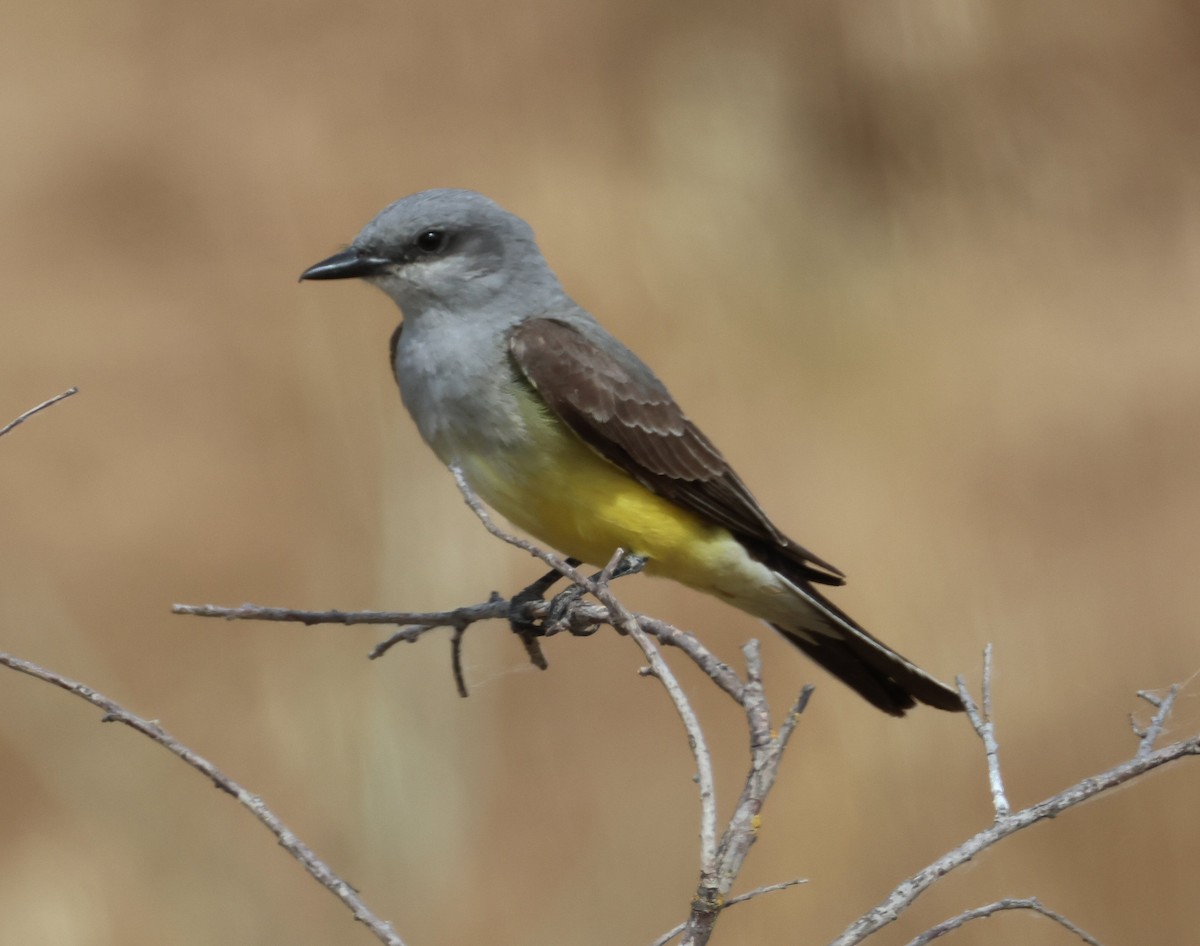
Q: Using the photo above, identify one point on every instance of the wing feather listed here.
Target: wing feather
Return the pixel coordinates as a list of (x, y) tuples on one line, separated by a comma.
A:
[(615, 404)]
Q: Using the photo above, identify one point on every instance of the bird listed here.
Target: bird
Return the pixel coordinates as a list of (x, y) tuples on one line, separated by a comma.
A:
[(569, 435)]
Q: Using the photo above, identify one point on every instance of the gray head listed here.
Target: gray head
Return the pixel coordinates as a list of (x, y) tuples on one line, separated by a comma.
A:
[(449, 249)]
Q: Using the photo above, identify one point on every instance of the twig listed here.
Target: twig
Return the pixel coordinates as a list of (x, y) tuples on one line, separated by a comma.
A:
[(558, 564), (908, 890), (659, 668), (34, 410), (986, 730), (1150, 734), (415, 624), (114, 712), (427, 620), (733, 901), (723, 675), (979, 913)]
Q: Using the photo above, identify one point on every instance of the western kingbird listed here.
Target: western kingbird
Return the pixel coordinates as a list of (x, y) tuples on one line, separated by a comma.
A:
[(569, 435)]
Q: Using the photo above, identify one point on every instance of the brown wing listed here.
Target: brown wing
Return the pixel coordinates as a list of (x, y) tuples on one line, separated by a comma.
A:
[(616, 405)]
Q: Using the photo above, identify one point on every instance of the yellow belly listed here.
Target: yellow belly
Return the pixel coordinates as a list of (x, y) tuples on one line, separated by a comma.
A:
[(567, 496), (574, 500)]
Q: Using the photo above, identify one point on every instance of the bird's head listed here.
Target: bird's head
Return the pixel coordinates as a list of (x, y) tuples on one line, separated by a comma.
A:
[(451, 249)]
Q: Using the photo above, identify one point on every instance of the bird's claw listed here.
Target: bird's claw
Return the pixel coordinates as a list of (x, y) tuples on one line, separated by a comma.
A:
[(558, 615), (528, 628)]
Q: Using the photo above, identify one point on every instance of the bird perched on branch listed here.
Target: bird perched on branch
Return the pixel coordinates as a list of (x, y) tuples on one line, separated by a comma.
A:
[(564, 431)]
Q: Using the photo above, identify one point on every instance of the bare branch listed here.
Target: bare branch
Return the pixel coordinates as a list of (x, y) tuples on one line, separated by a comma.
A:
[(986, 730), (721, 860), (908, 890), (415, 624), (733, 901), (427, 620), (659, 668), (766, 752), (114, 712), (720, 672), (34, 410), (979, 913)]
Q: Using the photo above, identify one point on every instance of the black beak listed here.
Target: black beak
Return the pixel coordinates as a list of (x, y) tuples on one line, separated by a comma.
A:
[(349, 264)]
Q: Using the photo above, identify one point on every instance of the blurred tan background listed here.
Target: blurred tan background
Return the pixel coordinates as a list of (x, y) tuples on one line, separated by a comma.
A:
[(928, 272)]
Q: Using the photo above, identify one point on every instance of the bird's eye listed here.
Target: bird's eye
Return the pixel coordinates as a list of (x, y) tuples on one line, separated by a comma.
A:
[(431, 241)]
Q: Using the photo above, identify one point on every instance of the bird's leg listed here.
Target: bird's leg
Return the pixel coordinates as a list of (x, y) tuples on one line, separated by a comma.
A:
[(526, 627), (518, 613)]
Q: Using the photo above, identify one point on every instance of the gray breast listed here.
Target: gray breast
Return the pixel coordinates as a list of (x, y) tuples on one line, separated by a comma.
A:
[(457, 382)]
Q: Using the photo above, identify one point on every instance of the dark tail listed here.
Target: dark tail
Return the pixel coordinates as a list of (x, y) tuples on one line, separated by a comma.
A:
[(877, 673)]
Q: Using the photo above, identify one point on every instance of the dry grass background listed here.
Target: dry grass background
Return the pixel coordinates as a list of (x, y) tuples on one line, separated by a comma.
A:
[(929, 272)]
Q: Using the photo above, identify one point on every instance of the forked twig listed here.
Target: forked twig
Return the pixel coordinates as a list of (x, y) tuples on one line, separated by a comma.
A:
[(986, 730), (1163, 706), (732, 901)]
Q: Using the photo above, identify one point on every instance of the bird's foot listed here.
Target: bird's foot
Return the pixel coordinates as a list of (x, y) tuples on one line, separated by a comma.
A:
[(629, 564), (528, 628), (558, 618)]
